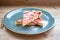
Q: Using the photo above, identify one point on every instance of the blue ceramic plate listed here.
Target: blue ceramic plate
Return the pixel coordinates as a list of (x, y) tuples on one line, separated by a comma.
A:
[(12, 16)]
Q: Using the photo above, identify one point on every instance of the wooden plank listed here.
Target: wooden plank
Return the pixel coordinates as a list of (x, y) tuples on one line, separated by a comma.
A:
[(29, 2)]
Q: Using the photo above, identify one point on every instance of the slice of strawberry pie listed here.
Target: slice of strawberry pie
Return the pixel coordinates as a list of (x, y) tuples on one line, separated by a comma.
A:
[(30, 18)]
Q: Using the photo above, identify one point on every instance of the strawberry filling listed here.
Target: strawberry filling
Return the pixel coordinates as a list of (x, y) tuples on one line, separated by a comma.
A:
[(30, 17)]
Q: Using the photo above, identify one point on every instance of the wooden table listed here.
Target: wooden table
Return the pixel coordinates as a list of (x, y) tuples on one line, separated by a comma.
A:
[(53, 34)]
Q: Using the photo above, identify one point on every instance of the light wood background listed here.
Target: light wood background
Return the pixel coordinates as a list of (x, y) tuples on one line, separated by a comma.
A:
[(53, 34)]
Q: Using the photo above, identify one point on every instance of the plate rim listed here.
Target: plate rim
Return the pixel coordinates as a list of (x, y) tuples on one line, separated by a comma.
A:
[(27, 33)]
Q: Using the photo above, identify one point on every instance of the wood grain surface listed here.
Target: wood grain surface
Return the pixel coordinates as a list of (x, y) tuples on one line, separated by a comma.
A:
[(29, 2), (53, 34)]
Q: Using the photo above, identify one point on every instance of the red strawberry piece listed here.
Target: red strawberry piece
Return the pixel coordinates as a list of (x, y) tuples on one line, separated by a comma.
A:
[(26, 12)]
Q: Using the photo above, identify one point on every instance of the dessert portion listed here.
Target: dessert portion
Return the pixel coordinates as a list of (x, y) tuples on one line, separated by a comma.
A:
[(30, 18)]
